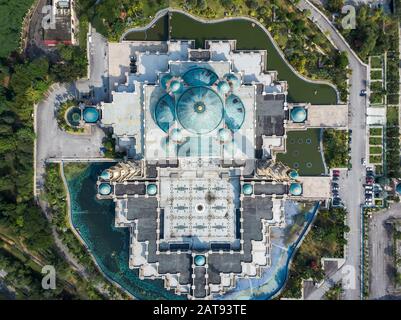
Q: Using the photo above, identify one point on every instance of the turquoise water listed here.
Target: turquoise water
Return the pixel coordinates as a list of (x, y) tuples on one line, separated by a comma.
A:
[(94, 220)]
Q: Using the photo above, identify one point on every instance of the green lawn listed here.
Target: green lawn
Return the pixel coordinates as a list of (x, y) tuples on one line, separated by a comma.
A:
[(303, 152), (376, 132), (376, 74), (392, 116), (376, 62), (375, 141), (375, 150), (375, 159)]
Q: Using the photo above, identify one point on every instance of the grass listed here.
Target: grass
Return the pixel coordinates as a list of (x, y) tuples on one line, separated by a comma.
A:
[(376, 132), (393, 99), (376, 74), (375, 150), (375, 159), (376, 98), (375, 141), (376, 86), (376, 62), (392, 116), (303, 152), (335, 144)]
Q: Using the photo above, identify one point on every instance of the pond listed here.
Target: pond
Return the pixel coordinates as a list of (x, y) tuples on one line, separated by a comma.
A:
[(184, 27)]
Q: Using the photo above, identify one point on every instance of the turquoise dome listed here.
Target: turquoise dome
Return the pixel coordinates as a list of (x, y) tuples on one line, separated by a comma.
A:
[(175, 86), (151, 189), (200, 260), (398, 188), (176, 135), (165, 79), (200, 77), (105, 175), (165, 112), (295, 189), (233, 80), (225, 135), (223, 87), (104, 189), (247, 189), (199, 110), (293, 174), (234, 114), (91, 115), (298, 114)]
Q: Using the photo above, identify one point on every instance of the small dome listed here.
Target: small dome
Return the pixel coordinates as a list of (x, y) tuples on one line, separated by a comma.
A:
[(151, 189), (298, 114), (176, 135), (105, 175), (175, 86), (398, 188), (91, 115), (233, 80), (165, 79), (223, 87), (165, 112), (234, 112), (247, 189), (200, 77), (104, 189), (200, 260), (295, 189), (225, 135), (293, 174)]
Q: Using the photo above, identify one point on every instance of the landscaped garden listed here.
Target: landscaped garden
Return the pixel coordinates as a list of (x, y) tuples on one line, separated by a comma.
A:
[(335, 144)]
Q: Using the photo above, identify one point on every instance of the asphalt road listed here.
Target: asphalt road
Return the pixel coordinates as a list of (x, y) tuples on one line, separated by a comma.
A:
[(357, 123)]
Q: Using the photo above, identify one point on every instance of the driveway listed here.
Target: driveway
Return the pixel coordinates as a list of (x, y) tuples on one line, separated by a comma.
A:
[(357, 123), (380, 253), (52, 142)]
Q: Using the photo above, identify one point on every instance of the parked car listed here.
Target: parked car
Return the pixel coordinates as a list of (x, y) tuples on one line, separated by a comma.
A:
[(370, 180), (336, 173), (363, 161), (362, 93)]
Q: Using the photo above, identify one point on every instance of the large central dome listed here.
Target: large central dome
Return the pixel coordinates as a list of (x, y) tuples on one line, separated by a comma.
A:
[(200, 110)]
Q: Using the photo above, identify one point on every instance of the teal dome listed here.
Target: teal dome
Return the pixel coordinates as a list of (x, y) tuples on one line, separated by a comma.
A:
[(293, 174), (175, 86), (298, 114), (233, 80), (176, 135), (105, 175), (200, 77), (104, 189), (398, 188), (91, 115), (234, 114), (295, 189), (151, 189), (165, 112), (225, 135), (200, 260), (199, 110), (223, 87), (247, 189), (165, 79)]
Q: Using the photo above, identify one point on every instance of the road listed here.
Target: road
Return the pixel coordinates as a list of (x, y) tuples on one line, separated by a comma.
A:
[(357, 123), (381, 257)]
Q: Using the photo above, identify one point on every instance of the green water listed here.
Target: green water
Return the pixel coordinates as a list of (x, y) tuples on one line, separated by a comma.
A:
[(248, 37), (303, 152), (94, 220)]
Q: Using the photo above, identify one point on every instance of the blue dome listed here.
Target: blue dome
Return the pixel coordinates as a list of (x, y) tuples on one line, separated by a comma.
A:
[(233, 80), (199, 110), (223, 87), (398, 188), (225, 135), (295, 189), (105, 175), (175, 86), (91, 115), (151, 189), (200, 77), (176, 135), (298, 114), (234, 112), (200, 260), (293, 174), (165, 79), (165, 112), (247, 189), (104, 189)]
